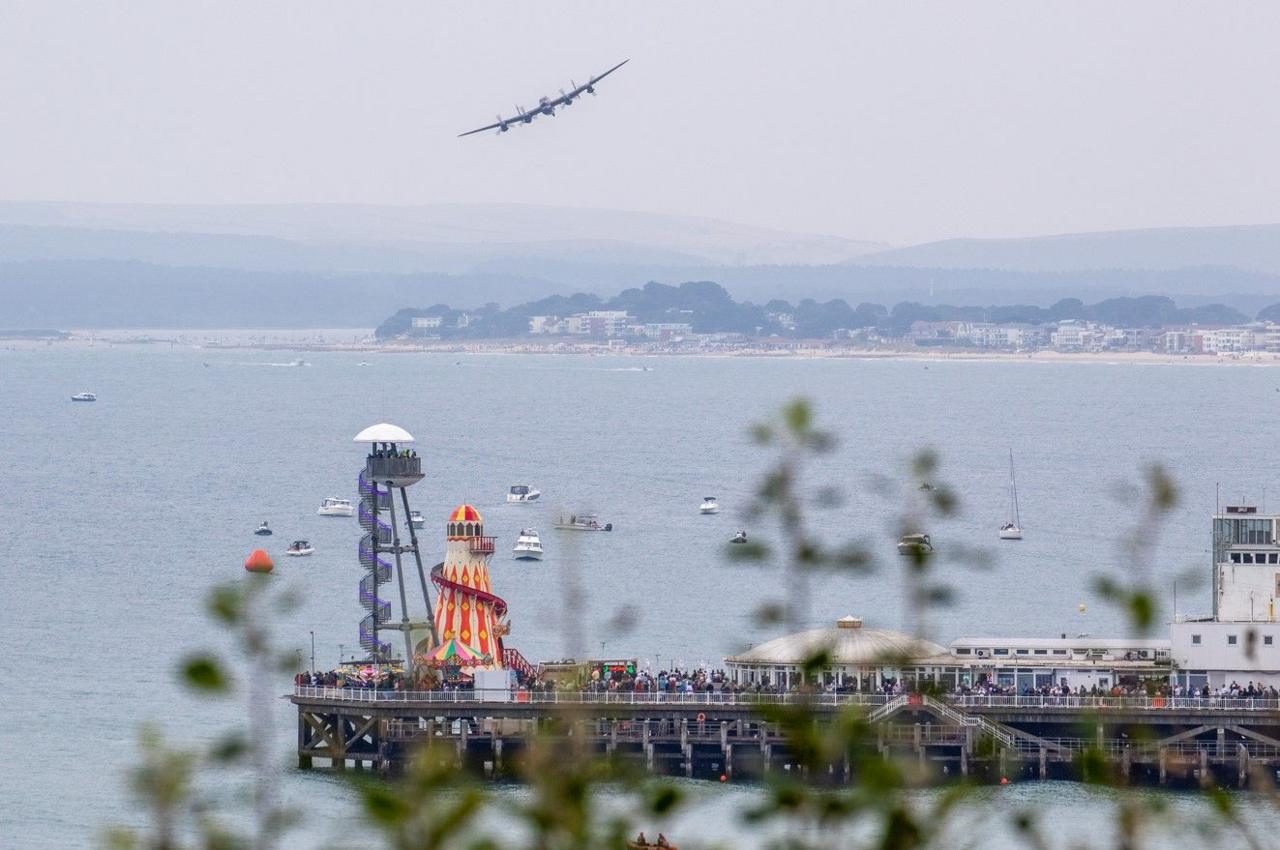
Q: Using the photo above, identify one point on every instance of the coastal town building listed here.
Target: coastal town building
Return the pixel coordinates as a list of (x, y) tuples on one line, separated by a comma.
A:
[(1240, 640)]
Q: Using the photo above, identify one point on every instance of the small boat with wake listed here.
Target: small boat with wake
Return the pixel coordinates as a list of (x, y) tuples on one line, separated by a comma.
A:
[(583, 522), (262, 530), (336, 507), (84, 396), (520, 493), (528, 546), (913, 544), (300, 549), (740, 537), (416, 519), (709, 505)]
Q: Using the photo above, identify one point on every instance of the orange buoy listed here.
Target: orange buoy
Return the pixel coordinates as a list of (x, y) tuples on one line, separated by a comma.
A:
[(258, 562), (724, 778), (1004, 780)]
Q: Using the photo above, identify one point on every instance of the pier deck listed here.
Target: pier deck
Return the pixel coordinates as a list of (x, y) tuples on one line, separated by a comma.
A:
[(1180, 740)]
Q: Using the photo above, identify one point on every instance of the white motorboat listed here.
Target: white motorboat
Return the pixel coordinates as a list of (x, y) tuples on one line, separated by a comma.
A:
[(740, 537), (528, 546), (913, 544), (416, 519), (299, 549), (85, 396), (709, 505), (262, 530), (523, 493), (1012, 530), (336, 507), (583, 522)]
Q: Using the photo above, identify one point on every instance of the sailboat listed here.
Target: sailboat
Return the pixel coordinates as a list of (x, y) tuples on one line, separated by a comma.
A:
[(1012, 530)]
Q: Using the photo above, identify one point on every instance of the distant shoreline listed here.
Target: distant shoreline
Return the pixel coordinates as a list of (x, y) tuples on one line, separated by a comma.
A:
[(360, 340)]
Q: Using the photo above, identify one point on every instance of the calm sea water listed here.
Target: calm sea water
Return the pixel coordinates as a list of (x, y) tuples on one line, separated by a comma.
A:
[(118, 516)]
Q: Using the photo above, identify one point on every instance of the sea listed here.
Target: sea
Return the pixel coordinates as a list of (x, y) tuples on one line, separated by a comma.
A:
[(118, 517)]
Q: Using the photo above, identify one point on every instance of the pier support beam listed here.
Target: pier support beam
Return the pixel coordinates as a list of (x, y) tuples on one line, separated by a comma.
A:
[(1044, 762), (1205, 779), (1242, 765), (1164, 765)]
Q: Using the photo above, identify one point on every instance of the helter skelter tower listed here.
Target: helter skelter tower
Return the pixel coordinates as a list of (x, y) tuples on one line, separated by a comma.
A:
[(390, 466), (470, 619)]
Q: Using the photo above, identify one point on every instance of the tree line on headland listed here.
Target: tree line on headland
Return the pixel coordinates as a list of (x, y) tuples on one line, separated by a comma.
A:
[(708, 308)]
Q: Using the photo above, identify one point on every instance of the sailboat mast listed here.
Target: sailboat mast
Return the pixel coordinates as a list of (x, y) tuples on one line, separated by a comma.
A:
[(1013, 490)]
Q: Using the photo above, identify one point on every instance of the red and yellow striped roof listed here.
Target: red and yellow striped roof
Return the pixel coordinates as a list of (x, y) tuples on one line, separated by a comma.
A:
[(465, 513)]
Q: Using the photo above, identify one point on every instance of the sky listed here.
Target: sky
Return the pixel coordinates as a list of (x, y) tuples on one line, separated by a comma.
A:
[(889, 121)]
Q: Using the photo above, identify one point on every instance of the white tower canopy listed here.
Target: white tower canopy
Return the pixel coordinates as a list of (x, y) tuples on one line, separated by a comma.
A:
[(383, 433)]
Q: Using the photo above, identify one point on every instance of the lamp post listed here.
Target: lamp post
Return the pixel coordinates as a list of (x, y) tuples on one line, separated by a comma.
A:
[(341, 652), (313, 651)]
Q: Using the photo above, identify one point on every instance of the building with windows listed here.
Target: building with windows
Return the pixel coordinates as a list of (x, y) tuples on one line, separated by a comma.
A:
[(865, 659), (1238, 641)]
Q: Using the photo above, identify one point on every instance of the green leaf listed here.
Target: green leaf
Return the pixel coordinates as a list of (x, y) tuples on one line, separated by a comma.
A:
[(203, 673), (798, 416), (664, 799), (383, 806), (226, 604)]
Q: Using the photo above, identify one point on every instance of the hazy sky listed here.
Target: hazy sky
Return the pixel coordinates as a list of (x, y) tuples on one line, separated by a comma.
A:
[(891, 121)]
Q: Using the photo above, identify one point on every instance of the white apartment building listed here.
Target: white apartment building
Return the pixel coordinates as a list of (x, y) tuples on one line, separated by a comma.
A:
[(427, 322)]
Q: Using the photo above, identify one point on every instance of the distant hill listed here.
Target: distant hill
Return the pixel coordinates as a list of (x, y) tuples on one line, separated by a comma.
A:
[(127, 294), (439, 232), (1253, 247)]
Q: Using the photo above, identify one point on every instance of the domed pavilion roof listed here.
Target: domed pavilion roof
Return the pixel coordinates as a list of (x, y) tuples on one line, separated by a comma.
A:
[(848, 642)]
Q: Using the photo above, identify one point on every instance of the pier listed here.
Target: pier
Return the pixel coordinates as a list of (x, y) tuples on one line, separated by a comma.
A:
[(1184, 741)]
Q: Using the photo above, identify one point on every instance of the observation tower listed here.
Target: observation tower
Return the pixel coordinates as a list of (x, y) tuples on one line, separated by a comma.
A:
[(470, 619), (390, 466)]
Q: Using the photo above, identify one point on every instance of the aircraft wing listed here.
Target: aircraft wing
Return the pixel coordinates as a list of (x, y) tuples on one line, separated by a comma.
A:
[(595, 80), (480, 129), (503, 123)]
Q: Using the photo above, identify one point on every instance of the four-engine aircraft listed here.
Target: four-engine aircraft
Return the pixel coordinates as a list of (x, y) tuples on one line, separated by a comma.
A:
[(546, 105)]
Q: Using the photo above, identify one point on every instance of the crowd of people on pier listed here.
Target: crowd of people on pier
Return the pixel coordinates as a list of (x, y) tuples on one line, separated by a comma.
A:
[(678, 681), (382, 680), (1148, 688)]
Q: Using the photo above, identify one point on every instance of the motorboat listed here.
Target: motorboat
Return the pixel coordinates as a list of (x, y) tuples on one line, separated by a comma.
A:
[(336, 507), (528, 546), (914, 544), (925, 485), (583, 522), (416, 519), (85, 396), (709, 505), (262, 530), (740, 537), (299, 549), (523, 493), (1012, 530)]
